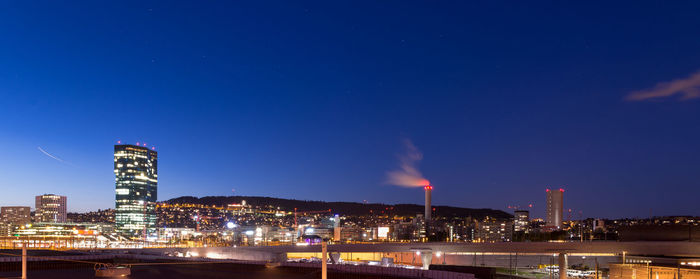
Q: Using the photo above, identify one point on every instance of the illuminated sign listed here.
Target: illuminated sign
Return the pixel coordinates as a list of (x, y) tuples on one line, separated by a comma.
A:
[(382, 232)]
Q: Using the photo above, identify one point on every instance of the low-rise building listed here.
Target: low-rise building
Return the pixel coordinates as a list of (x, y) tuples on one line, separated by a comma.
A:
[(13, 218)]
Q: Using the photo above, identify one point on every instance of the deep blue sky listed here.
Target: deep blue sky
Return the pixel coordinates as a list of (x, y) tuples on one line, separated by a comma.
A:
[(311, 100)]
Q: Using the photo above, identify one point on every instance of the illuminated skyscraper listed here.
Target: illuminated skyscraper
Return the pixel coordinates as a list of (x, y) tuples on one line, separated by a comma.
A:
[(555, 208), (136, 171), (50, 208)]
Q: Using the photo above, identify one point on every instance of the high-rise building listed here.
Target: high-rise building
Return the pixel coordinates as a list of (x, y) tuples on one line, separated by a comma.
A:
[(12, 216), (555, 208), (50, 208), (521, 220), (136, 172)]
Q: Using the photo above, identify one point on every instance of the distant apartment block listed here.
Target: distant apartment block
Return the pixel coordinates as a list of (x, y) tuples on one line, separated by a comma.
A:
[(493, 230), (521, 220), (12, 216)]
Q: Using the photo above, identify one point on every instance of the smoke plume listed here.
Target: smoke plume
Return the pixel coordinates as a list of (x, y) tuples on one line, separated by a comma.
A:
[(408, 174), (686, 88)]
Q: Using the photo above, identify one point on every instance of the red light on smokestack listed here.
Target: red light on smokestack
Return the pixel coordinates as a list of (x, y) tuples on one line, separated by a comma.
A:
[(428, 187), (561, 190), (547, 190)]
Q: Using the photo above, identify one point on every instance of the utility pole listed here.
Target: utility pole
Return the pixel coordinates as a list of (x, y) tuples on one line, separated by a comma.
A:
[(324, 260), (510, 263), (24, 261), (596, 268)]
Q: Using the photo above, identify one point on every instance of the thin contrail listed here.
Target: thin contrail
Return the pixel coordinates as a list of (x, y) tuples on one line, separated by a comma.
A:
[(53, 157)]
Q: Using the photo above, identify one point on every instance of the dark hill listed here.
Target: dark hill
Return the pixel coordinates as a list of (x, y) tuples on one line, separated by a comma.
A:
[(343, 208)]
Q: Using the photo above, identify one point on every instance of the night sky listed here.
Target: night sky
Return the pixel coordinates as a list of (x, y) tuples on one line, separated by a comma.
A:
[(316, 100)]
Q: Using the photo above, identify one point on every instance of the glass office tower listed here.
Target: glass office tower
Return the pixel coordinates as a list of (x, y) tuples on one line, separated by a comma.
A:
[(136, 171)]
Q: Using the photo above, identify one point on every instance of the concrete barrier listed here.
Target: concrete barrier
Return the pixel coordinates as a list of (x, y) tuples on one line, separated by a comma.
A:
[(388, 271)]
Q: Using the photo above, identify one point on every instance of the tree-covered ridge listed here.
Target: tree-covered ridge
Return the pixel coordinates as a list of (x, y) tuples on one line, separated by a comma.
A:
[(343, 208)]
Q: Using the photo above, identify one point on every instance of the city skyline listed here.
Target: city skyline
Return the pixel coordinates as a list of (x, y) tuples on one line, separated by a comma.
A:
[(291, 108)]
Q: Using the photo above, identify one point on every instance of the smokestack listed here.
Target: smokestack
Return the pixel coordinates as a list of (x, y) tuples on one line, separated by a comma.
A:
[(428, 200)]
